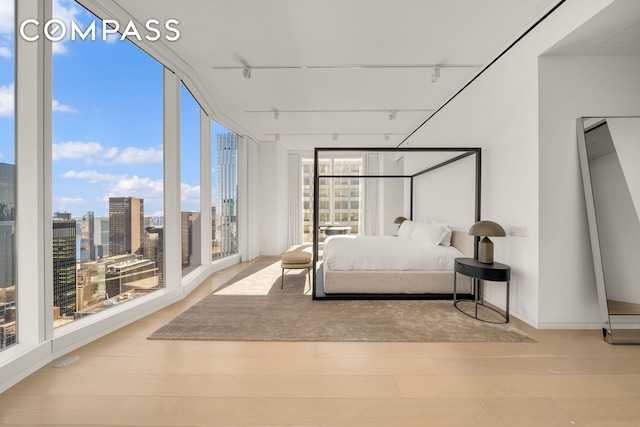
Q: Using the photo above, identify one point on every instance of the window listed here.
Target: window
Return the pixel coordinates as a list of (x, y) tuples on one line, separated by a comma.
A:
[(191, 229), (340, 198), (224, 212), (7, 177), (107, 171)]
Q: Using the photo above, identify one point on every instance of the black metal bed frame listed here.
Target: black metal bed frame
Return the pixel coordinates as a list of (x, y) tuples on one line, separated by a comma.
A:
[(466, 152)]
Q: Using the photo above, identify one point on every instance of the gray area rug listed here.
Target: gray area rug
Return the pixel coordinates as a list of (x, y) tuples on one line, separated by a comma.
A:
[(252, 307)]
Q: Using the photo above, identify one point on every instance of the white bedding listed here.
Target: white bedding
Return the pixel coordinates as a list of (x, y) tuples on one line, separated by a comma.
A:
[(386, 253)]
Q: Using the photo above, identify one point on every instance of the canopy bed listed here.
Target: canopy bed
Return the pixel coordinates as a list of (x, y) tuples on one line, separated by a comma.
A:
[(415, 263)]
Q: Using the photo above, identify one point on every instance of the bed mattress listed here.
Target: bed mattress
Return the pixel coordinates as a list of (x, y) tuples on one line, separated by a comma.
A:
[(386, 253)]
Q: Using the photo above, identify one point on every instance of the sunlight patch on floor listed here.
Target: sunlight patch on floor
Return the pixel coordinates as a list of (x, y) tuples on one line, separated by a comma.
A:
[(263, 281)]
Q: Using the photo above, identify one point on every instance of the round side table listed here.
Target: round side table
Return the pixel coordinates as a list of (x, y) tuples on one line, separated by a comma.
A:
[(478, 271)]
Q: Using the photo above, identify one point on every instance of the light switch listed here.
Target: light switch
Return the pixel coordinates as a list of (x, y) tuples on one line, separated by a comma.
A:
[(518, 230)]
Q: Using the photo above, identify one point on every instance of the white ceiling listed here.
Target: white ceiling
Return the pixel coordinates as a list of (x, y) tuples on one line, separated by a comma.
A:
[(615, 31), (364, 59)]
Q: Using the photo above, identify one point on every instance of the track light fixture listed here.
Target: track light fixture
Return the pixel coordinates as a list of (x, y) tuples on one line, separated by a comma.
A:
[(435, 75), (334, 137), (387, 137), (246, 72), (277, 137), (392, 115), (276, 113)]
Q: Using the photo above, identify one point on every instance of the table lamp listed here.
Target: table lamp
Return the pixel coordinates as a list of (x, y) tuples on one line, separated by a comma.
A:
[(399, 220), (485, 229)]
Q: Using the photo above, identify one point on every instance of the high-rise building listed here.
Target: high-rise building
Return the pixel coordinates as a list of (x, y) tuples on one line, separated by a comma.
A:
[(227, 194), (7, 225), (130, 274), (126, 225), (7, 192), (62, 215), (7, 316), (101, 236), (215, 248), (7, 250), (64, 265), (340, 199), (154, 249), (190, 233), (87, 235)]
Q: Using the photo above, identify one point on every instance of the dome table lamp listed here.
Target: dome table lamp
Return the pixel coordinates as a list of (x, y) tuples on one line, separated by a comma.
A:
[(486, 229), (399, 220)]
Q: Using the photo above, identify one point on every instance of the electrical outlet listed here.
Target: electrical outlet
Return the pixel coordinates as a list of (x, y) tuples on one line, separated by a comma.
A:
[(518, 230)]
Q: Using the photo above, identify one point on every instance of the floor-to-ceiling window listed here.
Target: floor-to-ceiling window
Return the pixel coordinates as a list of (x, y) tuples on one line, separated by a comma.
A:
[(7, 176), (190, 218), (340, 199), (107, 170), (224, 212)]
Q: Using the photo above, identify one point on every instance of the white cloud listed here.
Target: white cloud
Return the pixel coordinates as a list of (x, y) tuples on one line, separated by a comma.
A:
[(190, 195), (6, 17), (66, 204), (59, 48), (92, 152), (132, 155), (5, 52), (62, 108), (76, 150), (110, 153), (92, 176), (6, 100), (136, 185), (66, 11), (145, 188)]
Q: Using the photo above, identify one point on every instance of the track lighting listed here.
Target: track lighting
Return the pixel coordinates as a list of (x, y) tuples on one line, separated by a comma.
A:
[(392, 115), (277, 137), (276, 114), (334, 137), (246, 72), (436, 74)]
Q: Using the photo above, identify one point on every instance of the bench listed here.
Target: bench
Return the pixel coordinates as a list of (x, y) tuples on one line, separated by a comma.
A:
[(294, 258)]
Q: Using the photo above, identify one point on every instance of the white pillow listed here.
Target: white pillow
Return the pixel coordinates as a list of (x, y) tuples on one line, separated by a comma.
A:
[(446, 240), (428, 234), (406, 228)]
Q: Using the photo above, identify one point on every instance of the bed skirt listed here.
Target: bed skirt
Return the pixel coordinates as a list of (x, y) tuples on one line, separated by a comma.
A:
[(394, 282)]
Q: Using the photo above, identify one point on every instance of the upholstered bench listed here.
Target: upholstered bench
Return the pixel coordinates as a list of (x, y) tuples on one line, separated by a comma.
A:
[(294, 258)]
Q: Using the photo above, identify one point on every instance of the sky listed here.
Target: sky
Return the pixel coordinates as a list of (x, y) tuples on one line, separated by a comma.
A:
[(107, 120), (7, 152)]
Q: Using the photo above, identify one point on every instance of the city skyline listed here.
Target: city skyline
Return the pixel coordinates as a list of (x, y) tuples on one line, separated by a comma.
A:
[(107, 121), (97, 142)]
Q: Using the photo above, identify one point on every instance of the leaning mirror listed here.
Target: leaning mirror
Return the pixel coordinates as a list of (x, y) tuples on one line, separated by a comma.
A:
[(609, 149)]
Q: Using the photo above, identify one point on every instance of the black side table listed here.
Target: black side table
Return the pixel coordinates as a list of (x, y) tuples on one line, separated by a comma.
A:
[(495, 272)]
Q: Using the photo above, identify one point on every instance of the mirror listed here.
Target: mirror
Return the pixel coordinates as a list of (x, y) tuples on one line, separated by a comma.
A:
[(609, 149)]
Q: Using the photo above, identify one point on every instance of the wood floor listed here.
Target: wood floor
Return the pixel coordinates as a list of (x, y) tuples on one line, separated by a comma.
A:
[(567, 378)]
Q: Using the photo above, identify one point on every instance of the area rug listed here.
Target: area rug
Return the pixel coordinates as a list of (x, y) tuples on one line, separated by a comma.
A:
[(252, 307)]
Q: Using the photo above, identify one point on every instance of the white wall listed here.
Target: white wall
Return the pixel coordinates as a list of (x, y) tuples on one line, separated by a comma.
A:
[(447, 194), (571, 87), (273, 198), (499, 112), (391, 193)]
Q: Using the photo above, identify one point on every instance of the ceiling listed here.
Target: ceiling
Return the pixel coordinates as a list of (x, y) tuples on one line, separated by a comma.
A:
[(615, 31), (332, 72)]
